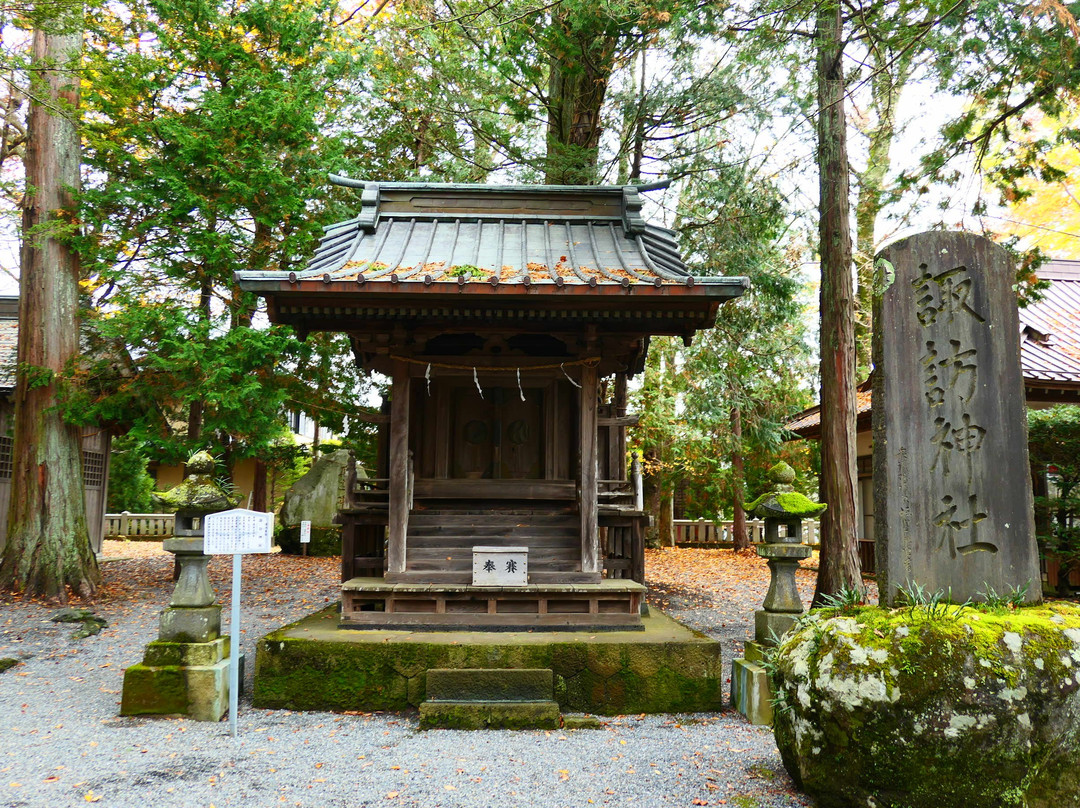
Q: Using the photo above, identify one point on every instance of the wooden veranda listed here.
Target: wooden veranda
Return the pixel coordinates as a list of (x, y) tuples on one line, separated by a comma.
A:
[(509, 320)]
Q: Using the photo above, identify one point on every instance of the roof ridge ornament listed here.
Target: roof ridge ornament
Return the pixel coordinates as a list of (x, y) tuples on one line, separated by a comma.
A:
[(633, 221), (368, 217)]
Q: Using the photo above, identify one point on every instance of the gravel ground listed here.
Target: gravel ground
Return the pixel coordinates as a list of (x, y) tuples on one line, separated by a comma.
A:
[(62, 742)]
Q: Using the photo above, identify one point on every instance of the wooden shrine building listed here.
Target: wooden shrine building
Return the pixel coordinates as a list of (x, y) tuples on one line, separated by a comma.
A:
[(509, 319)]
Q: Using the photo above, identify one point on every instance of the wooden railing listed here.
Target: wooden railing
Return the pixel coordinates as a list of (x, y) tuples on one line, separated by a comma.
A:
[(139, 524), (699, 531)]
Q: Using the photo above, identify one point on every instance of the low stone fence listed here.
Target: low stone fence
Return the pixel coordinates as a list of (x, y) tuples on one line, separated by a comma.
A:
[(691, 532), (138, 525)]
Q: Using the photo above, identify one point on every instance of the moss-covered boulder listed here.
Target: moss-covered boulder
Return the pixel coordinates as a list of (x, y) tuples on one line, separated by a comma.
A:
[(325, 540), (317, 496), (932, 706)]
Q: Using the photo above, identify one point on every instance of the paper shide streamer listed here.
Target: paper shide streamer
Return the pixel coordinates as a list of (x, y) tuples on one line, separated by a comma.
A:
[(567, 375)]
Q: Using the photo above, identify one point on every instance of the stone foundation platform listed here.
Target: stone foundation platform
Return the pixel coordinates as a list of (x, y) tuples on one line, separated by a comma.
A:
[(662, 667)]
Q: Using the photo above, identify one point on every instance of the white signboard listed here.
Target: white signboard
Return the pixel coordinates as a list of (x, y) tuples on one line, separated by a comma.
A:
[(237, 531), (500, 566), (234, 533), (305, 532)]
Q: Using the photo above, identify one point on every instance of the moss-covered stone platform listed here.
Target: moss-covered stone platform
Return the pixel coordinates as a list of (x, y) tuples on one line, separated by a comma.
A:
[(314, 665)]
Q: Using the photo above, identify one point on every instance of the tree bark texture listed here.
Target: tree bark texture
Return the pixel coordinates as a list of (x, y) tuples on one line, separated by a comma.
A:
[(653, 499), (258, 493), (577, 85), (48, 547), (885, 86), (667, 517), (839, 564), (739, 537)]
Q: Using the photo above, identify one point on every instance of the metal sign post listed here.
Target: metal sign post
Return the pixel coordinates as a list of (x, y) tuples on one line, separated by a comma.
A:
[(234, 533), (305, 534)]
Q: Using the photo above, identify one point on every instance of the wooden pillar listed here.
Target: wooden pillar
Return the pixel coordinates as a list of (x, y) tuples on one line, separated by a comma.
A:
[(590, 534), (619, 433), (399, 467)]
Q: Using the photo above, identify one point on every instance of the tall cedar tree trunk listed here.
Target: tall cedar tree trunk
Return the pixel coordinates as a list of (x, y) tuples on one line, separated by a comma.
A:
[(48, 546), (740, 538), (195, 409), (577, 85), (839, 565)]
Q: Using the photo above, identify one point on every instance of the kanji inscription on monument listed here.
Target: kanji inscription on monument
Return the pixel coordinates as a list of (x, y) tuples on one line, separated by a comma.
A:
[(952, 492)]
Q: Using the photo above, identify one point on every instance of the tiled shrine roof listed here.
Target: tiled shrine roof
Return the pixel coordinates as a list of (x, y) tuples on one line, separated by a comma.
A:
[(424, 234)]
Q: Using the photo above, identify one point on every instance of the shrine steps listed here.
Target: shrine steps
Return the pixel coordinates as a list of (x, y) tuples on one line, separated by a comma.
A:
[(441, 541)]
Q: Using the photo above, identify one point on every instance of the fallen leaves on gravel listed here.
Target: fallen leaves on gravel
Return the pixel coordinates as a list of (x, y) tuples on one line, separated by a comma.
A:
[(717, 578)]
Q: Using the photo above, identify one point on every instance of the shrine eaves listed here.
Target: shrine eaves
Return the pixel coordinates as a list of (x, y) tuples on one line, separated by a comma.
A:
[(541, 257)]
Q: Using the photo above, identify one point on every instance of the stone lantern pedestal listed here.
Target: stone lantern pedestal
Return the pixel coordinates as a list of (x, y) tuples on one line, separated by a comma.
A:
[(782, 605), (186, 670), (751, 693)]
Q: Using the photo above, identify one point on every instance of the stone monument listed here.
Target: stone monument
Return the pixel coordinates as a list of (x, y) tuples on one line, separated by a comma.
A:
[(781, 507), (185, 671), (952, 491)]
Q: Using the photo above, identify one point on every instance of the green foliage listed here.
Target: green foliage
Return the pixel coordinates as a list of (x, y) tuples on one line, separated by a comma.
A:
[(754, 364), (205, 146), (1014, 598), (36, 377), (575, 93), (930, 605), (286, 462), (847, 600), (1013, 58), (1054, 449), (325, 540), (130, 484)]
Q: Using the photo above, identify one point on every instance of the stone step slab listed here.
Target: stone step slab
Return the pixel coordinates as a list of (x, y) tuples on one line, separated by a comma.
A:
[(489, 715), (490, 685)]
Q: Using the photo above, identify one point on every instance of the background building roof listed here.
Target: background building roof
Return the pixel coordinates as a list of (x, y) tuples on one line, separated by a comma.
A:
[(1050, 329), (9, 341), (1049, 349)]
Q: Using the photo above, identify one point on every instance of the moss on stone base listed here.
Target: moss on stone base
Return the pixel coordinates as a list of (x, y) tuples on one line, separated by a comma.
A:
[(489, 715), (915, 707), (154, 691), (667, 668), (578, 721)]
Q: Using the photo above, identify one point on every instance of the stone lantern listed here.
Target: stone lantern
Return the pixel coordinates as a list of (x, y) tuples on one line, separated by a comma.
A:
[(780, 507), (192, 615), (184, 671)]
